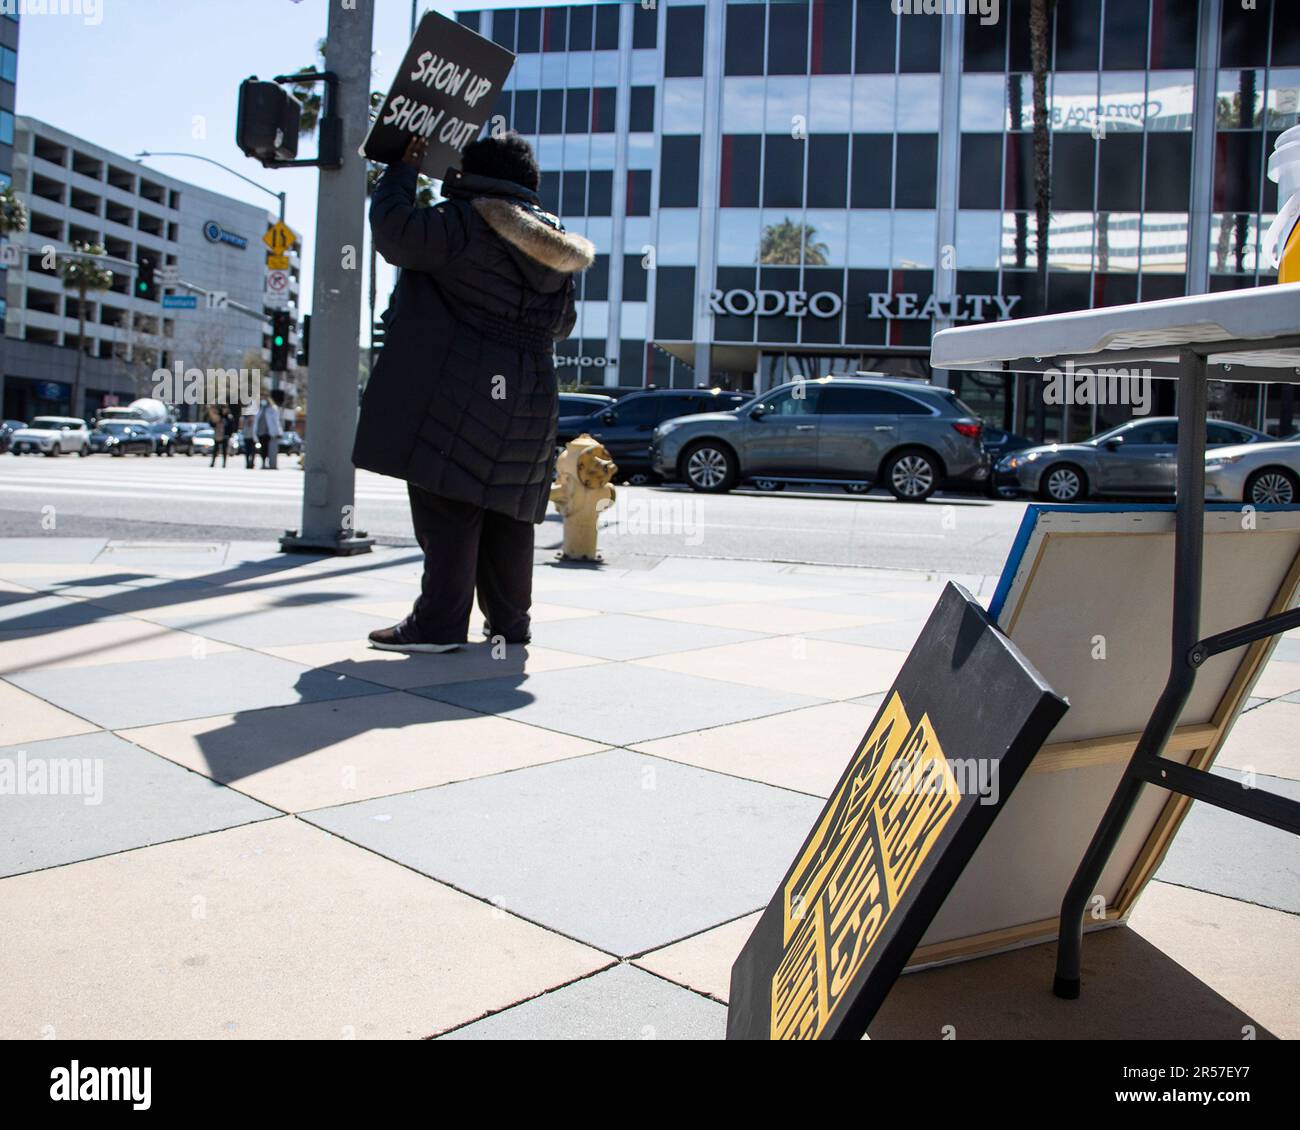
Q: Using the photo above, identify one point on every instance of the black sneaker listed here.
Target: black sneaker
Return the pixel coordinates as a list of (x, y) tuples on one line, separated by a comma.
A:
[(406, 637)]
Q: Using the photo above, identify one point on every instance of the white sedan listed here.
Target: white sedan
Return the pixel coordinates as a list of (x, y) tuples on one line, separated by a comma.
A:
[(52, 435), (1261, 474)]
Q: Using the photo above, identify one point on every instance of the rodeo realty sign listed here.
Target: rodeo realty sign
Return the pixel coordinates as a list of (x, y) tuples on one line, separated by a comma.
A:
[(444, 90), (827, 304)]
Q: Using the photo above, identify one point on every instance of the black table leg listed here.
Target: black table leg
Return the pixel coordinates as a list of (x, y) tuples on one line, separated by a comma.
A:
[(1189, 531)]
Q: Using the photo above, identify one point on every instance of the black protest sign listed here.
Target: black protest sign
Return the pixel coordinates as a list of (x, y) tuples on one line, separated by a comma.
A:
[(445, 89), (957, 730)]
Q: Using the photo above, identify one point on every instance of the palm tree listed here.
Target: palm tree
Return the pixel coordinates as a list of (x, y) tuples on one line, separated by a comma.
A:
[(83, 272), (792, 243), (13, 212)]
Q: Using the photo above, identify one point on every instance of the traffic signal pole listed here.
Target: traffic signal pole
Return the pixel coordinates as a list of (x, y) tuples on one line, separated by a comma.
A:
[(328, 502)]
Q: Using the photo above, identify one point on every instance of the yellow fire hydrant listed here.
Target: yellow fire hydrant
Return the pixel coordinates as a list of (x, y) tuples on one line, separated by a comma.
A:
[(581, 491)]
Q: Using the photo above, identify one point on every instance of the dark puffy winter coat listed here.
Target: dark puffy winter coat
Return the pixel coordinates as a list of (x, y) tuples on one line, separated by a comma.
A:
[(462, 401)]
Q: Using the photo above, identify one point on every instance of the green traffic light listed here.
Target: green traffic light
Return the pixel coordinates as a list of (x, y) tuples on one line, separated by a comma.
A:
[(279, 340)]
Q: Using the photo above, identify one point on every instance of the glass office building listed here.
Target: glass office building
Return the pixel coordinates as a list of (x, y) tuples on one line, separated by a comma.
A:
[(799, 187)]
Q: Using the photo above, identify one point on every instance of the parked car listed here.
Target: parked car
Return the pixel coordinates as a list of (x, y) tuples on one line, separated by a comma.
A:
[(52, 435), (582, 403), (7, 429), (1137, 458), (204, 439), (626, 427), (851, 432), (122, 437), (1261, 474), (999, 443)]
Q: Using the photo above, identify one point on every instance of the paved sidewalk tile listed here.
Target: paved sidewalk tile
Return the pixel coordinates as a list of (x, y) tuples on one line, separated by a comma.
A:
[(160, 690), (51, 549), (111, 796), (1229, 855), (728, 592), (896, 635), (92, 645), (32, 613), (1264, 739), (397, 669), (621, 851), (26, 718), (804, 750), (768, 617), (327, 753), (622, 1003), (1278, 678), (626, 703), (607, 597), (271, 931), (704, 962), (795, 664), (260, 627), (632, 637)]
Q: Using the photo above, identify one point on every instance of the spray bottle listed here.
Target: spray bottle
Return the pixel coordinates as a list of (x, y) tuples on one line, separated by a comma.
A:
[(1281, 246)]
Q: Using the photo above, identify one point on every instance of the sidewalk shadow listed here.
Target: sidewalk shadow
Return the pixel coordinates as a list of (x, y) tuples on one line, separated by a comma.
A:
[(254, 741), (1131, 991)]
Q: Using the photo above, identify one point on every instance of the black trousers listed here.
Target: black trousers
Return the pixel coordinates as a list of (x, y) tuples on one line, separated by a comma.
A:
[(466, 547)]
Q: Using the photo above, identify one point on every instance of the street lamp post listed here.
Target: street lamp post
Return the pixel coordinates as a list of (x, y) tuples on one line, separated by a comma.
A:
[(280, 196)]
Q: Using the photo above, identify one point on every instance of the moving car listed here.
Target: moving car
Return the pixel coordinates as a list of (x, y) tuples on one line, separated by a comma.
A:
[(1137, 458), (122, 437), (52, 435), (164, 435), (185, 437), (1261, 474), (7, 429), (626, 427), (204, 439), (851, 432)]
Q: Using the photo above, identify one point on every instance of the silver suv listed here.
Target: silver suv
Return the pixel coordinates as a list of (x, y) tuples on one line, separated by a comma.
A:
[(851, 432)]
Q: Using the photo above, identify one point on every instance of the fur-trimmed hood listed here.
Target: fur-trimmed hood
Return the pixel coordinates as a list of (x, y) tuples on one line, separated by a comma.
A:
[(524, 229)]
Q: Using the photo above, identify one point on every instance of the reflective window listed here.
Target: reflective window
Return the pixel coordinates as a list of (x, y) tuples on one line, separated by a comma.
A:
[(869, 239), (1072, 104), (1164, 243), (787, 105), (1078, 35), (1122, 105), (577, 111), (918, 101), (679, 231), (1173, 34), (684, 46), (581, 21), (873, 103), (1234, 242), (875, 37), (1074, 158), (831, 100), (635, 277), (641, 118), (638, 192), (645, 27), (1282, 104), (984, 46), (529, 30), (916, 170), (828, 166), (979, 236), (603, 109), (739, 170), (873, 170), (600, 190), (683, 98), (1240, 100), (745, 39), (826, 237), (831, 45), (552, 112), (981, 170), (1124, 36), (1169, 172), (742, 105), (983, 103), (738, 236), (783, 170), (1117, 238), (801, 400), (503, 28), (914, 239), (918, 43), (1070, 241), (607, 27), (1170, 101), (679, 182), (787, 46)]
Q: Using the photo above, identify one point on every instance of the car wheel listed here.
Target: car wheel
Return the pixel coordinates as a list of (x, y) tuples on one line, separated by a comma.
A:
[(709, 467), (85, 450), (769, 484), (53, 452), (912, 476), (638, 479), (1063, 482), (857, 488), (1273, 486)]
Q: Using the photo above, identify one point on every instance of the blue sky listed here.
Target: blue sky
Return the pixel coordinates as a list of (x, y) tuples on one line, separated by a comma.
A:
[(154, 73)]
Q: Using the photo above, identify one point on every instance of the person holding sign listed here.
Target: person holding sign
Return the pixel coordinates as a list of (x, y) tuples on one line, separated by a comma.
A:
[(462, 403)]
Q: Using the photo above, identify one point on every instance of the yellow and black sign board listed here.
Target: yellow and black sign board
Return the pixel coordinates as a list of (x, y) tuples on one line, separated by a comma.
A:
[(959, 727)]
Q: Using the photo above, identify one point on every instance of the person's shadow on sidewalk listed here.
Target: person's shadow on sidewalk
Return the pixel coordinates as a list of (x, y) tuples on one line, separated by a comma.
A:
[(254, 741)]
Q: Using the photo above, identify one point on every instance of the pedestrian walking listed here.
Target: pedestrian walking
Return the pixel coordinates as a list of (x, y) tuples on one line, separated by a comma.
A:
[(269, 431), (248, 438), (220, 435), (462, 403)]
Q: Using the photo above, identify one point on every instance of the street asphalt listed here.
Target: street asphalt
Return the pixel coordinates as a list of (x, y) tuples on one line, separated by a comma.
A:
[(183, 499)]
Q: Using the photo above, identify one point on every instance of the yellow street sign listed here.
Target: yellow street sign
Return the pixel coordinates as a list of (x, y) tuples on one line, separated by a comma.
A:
[(277, 262), (280, 238)]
